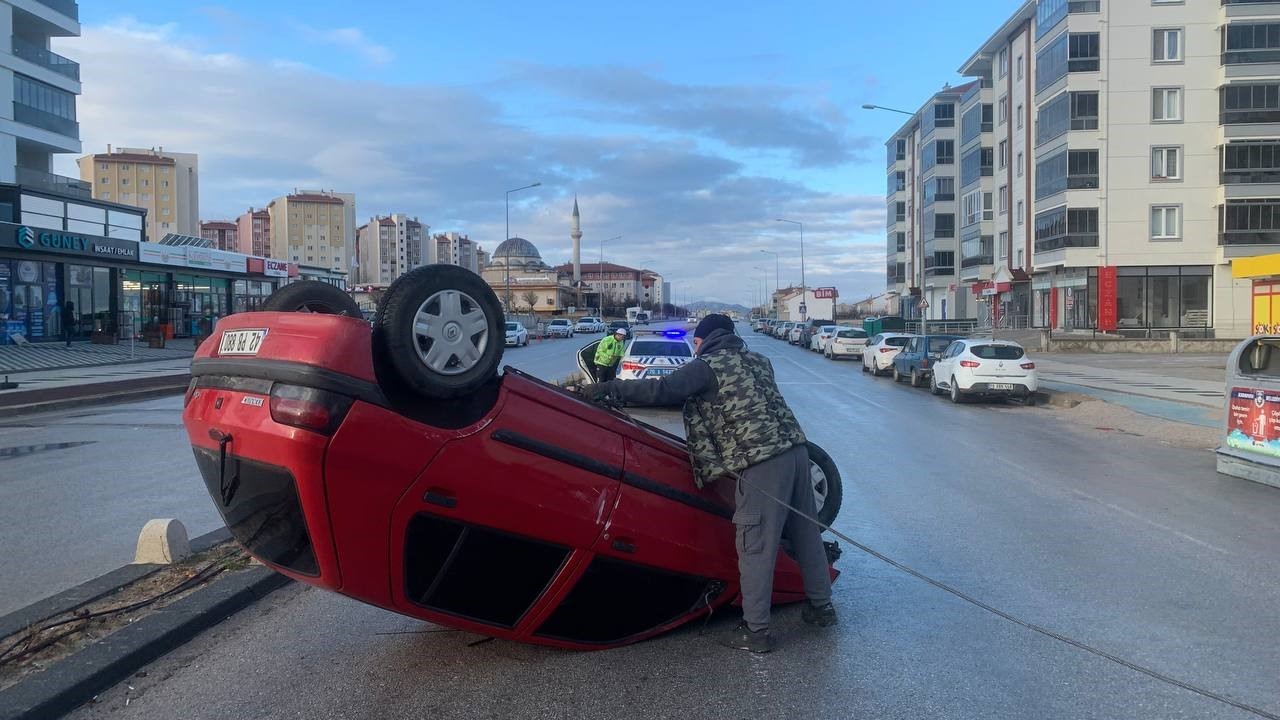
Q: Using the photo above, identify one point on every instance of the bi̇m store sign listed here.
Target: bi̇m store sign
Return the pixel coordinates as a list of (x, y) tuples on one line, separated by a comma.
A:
[(40, 240)]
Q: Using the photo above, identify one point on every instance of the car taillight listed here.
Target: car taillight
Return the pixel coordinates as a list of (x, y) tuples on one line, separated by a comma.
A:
[(890, 348), (924, 363), (191, 390), (1028, 366), (632, 366), (308, 408), (970, 364)]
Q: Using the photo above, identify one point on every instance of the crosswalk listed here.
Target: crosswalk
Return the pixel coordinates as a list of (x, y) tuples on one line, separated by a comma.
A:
[(32, 358)]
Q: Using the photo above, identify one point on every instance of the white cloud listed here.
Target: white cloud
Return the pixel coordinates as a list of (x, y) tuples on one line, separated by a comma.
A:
[(445, 153), (353, 40)]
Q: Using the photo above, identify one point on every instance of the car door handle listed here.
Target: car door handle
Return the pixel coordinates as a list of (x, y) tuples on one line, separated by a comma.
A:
[(625, 546), (441, 497)]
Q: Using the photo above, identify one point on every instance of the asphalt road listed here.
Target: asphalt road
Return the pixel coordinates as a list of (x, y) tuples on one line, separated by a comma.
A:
[(76, 487), (1132, 547)]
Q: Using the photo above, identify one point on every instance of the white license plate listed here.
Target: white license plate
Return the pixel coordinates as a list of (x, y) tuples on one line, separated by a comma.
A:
[(241, 342), (659, 371), (1000, 386)]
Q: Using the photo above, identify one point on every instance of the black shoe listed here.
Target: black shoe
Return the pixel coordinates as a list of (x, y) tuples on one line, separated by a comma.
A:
[(744, 638), (820, 615)]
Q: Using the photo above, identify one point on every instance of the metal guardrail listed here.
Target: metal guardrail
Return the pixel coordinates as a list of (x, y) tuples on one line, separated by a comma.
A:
[(66, 7), (60, 184), (31, 52)]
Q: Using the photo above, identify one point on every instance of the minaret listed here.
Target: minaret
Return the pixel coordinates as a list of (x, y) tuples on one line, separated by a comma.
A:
[(576, 234)]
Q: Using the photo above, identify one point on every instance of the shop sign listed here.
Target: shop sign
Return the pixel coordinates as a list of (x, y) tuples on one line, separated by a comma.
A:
[(825, 293), (41, 240), (1253, 421), (989, 291), (1107, 286), (275, 268)]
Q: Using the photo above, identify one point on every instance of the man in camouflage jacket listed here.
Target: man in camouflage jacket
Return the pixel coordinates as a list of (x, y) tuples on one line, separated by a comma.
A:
[(737, 422)]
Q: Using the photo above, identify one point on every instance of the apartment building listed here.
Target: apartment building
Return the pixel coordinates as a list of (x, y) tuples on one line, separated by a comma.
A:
[(1137, 170), (224, 235), (165, 184), (456, 249), (41, 119), (391, 246), (314, 227), (253, 233)]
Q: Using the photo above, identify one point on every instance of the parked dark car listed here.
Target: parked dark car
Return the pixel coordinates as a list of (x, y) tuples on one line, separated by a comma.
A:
[(808, 328), (915, 362)]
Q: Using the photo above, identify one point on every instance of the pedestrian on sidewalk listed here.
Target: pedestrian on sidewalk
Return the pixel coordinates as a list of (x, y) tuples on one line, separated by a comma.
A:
[(736, 421), (68, 320)]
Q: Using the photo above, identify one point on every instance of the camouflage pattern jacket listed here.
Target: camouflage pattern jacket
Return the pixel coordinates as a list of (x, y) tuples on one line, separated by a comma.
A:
[(734, 415)]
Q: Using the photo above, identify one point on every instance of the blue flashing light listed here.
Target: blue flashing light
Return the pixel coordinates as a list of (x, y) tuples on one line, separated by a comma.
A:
[(674, 333)]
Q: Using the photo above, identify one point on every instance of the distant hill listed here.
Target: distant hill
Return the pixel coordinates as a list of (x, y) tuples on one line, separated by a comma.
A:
[(710, 306)]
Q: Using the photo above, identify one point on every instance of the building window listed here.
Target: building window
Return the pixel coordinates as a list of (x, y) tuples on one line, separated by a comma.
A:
[(946, 152), (1255, 221), (105, 166), (1084, 110), (1019, 212), (1166, 222), (939, 189), (1064, 228), (1019, 75), (1004, 154), (125, 167), (1252, 103), (1004, 199), (1166, 45), (1247, 42), (1004, 111), (1165, 163), (1082, 52), (164, 183), (900, 213), (1082, 169), (1166, 104), (1019, 120), (1251, 161), (944, 226), (1004, 61), (144, 182), (105, 195), (1001, 245), (1020, 164), (104, 181), (124, 181), (1053, 119), (971, 208)]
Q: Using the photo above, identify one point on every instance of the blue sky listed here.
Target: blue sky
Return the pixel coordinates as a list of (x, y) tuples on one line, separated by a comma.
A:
[(685, 127)]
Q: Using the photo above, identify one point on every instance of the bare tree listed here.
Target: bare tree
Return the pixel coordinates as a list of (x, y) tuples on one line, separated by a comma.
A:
[(530, 298)]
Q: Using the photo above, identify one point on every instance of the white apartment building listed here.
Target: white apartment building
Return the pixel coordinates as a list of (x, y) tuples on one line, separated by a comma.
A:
[(1137, 170), (455, 249), (391, 246), (38, 115)]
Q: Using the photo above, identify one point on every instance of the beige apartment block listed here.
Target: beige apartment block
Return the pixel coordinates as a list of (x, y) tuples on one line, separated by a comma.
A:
[(389, 247), (316, 228), (253, 233), (165, 184), (1136, 183)]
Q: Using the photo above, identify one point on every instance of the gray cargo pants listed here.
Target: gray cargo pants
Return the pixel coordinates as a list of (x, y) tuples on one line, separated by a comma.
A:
[(761, 523)]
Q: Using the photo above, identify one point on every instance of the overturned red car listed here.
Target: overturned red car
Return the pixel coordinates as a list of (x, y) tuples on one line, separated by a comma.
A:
[(397, 466)]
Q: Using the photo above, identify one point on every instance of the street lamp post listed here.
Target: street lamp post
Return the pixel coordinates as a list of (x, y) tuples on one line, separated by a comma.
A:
[(803, 295), (920, 240), (764, 277), (776, 286), (507, 264), (869, 106)]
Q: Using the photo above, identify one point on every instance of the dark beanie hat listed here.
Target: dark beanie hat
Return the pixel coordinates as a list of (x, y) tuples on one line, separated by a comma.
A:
[(715, 321)]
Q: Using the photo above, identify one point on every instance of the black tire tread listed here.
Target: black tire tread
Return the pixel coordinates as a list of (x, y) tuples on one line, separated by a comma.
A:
[(312, 295), (835, 485)]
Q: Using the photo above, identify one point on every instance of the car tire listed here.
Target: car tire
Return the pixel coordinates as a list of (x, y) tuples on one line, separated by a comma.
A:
[(827, 354), (933, 385), (833, 495), (915, 379), (468, 321), (957, 395), (897, 376), (312, 296), (864, 366)]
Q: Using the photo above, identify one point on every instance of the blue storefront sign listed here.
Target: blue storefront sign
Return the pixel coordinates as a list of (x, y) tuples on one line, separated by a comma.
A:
[(42, 240)]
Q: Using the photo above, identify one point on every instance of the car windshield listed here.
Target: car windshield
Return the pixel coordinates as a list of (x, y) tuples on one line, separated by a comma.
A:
[(996, 352), (897, 341), (666, 348), (852, 333), (828, 328), (938, 344), (513, 326), (559, 322)]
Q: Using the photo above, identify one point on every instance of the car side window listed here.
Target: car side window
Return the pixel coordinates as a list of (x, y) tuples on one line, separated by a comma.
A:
[(953, 350)]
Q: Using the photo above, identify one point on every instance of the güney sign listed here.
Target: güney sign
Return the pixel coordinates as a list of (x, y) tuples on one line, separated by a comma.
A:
[(37, 239)]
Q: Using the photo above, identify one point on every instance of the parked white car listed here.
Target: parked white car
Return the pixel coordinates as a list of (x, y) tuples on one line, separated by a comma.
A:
[(819, 339), (985, 368), (589, 325), (517, 335), (846, 341), (560, 327), (877, 356)]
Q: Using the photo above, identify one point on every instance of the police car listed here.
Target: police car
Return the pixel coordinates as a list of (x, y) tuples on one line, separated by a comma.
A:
[(648, 354)]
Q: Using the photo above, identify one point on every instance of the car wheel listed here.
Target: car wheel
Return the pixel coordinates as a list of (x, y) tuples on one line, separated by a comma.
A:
[(864, 366), (312, 296), (897, 376), (915, 379), (956, 395), (437, 332), (826, 354), (828, 490), (933, 385)]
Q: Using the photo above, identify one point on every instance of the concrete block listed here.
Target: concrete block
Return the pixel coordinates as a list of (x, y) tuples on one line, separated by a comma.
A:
[(163, 542)]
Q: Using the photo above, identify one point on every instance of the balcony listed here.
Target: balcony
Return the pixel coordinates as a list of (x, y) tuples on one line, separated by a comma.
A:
[(39, 118), (66, 7), (1249, 237), (1070, 240), (45, 58), (58, 184)]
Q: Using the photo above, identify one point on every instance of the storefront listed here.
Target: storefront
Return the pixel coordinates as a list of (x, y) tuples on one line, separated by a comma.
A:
[(1264, 272), (1137, 301)]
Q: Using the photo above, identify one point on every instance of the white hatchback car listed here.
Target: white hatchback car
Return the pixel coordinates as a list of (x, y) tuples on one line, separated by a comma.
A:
[(845, 341), (878, 354), (987, 368), (517, 335), (819, 339), (589, 325)]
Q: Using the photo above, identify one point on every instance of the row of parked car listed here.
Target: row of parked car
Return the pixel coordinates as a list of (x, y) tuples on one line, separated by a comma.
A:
[(958, 366)]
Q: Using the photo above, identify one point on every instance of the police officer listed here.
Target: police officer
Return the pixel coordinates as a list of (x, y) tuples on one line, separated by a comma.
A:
[(609, 354), (736, 421)]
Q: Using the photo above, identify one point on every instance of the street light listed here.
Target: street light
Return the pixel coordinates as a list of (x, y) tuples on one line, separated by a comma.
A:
[(600, 271), (869, 106), (508, 237), (764, 273), (776, 286), (804, 313)]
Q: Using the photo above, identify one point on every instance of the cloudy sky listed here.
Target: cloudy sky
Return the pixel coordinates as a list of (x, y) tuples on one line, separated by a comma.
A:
[(685, 130)]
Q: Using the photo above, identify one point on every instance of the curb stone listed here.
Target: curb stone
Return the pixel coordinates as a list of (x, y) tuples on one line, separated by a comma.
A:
[(77, 679), (103, 398)]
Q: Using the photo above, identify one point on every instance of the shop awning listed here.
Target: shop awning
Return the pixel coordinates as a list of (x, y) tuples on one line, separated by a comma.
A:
[(1256, 266)]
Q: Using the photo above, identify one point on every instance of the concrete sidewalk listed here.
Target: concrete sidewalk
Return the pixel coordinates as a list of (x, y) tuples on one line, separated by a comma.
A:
[(20, 359), (40, 391), (1183, 388)]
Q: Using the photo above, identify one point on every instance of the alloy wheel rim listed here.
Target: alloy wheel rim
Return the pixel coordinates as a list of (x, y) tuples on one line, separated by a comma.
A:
[(450, 332), (818, 480)]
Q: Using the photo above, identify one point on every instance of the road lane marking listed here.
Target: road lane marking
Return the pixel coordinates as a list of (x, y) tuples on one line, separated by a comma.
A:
[(1151, 522)]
